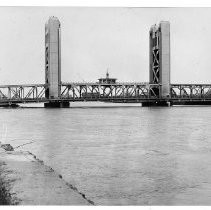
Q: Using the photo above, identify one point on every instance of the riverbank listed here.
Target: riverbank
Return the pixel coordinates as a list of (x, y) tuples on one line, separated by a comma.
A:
[(28, 181)]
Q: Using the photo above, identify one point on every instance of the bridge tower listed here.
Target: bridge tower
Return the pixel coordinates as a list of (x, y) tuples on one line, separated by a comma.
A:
[(159, 59), (53, 63)]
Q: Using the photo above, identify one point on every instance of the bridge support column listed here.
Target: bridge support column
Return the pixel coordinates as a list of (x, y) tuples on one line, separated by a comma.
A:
[(53, 63), (57, 105), (159, 59)]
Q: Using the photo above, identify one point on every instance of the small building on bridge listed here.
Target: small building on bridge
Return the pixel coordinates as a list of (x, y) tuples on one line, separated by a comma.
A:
[(107, 80)]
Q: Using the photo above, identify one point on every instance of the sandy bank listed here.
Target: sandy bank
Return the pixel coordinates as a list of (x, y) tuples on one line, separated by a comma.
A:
[(33, 183)]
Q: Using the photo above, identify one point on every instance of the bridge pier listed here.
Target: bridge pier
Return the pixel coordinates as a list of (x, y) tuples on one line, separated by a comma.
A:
[(9, 105), (190, 103), (157, 103), (57, 104)]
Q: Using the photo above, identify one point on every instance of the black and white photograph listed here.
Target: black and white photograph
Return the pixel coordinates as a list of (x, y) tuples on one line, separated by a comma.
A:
[(105, 106)]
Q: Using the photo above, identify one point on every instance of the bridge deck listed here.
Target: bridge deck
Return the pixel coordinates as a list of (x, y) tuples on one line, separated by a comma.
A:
[(118, 92)]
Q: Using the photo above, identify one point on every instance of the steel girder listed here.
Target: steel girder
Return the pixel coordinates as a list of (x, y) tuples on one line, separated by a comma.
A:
[(155, 74), (102, 92), (155, 66), (191, 91), (94, 91), (22, 93)]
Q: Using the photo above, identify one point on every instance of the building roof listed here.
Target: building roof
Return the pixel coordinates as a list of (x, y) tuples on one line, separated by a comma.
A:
[(107, 79)]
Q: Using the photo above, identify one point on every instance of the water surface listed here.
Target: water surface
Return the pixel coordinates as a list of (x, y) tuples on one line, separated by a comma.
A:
[(121, 155)]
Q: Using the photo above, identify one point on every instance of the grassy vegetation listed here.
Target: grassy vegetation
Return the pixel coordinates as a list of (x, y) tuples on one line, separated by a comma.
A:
[(5, 196)]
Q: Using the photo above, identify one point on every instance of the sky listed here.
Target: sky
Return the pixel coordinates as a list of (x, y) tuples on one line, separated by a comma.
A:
[(94, 39)]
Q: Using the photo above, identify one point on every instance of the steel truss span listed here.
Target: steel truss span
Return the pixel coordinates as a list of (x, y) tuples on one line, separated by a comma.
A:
[(187, 92), (118, 92), (22, 93)]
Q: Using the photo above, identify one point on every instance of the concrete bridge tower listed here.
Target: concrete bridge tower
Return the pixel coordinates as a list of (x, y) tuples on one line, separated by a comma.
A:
[(53, 63), (159, 58)]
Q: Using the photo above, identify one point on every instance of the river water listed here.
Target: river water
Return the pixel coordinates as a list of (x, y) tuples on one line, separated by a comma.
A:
[(121, 155)]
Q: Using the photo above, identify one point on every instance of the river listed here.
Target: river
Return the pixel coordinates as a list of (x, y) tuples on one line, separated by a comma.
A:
[(121, 155)]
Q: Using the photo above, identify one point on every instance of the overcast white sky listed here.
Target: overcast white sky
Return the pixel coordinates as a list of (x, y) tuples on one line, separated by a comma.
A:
[(94, 39)]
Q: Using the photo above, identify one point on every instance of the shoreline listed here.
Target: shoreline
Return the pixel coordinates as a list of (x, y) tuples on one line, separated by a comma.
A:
[(28, 181)]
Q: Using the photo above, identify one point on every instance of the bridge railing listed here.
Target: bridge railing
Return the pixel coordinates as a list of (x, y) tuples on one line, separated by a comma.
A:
[(97, 83)]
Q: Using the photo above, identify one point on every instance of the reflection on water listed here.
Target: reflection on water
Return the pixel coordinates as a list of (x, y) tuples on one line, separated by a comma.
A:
[(122, 156)]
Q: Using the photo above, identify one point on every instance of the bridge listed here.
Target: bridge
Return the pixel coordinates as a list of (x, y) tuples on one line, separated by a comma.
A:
[(157, 92)]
